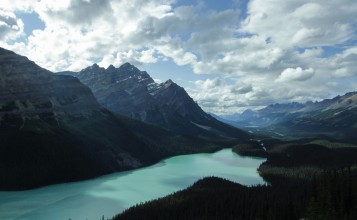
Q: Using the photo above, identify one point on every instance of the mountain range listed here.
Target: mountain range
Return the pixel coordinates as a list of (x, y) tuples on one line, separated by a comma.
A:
[(76, 125), (52, 129), (335, 117), (133, 93)]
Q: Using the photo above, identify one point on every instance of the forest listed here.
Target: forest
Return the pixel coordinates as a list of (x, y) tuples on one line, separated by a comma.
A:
[(332, 195)]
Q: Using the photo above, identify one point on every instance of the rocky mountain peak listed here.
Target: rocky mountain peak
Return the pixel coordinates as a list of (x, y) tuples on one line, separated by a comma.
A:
[(168, 82), (131, 92), (127, 67), (114, 75), (95, 66), (111, 68), (92, 69)]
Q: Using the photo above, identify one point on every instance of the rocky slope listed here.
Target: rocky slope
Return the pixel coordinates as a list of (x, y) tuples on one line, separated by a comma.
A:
[(53, 130), (128, 91)]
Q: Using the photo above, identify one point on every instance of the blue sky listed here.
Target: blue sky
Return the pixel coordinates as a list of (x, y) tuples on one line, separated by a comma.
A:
[(31, 22), (229, 55)]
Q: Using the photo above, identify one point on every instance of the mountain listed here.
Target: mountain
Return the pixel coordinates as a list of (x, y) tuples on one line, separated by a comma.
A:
[(336, 117), (230, 120), (133, 93), (53, 130), (264, 117)]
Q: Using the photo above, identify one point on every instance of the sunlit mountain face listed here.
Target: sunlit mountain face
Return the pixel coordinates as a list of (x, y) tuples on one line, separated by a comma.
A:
[(229, 56)]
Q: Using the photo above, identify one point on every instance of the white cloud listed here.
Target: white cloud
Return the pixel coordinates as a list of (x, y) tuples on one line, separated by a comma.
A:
[(23, 5), (178, 54), (10, 25), (208, 83), (295, 74), (81, 32), (302, 23), (131, 56), (242, 89), (79, 12), (344, 64), (292, 41)]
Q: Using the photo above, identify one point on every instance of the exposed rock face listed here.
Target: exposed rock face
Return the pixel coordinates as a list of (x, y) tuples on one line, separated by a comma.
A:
[(128, 91), (53, 130)]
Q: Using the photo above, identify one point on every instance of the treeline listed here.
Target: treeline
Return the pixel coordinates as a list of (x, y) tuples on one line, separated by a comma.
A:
[(332, 195)]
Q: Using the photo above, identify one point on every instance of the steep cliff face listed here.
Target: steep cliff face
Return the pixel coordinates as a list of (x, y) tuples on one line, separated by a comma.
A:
[(53, 130), (128, 91)]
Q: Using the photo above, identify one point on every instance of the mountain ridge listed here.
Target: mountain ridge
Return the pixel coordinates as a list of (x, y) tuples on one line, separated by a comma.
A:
[(133, 93), (334, 117), (53, 130)]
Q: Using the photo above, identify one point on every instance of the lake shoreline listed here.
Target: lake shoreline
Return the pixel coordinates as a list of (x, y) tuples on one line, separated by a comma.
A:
[(116, 192)]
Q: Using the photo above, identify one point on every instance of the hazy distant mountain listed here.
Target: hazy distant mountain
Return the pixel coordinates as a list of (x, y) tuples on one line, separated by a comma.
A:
[(53, 130), (336, 116), (269, 115), (128, 91)]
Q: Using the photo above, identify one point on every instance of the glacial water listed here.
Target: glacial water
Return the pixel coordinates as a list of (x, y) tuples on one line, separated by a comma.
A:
[(111, 194)]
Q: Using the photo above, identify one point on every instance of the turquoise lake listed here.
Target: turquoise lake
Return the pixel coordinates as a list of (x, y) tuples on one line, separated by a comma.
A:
[(111, 194)]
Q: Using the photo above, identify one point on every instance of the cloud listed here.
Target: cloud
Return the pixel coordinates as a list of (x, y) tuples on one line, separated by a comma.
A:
[(247, 55), (302, 23), (242, 89), (208, 83), (131, 56), (178, 54), (291, 41), (221, 96), (23, 5), (80, 12), (82, 32), (344, 64), (295, 74), (10, 25)]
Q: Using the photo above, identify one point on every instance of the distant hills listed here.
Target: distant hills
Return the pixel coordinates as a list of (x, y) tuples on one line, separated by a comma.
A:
[(52, 129), (133, 93), (336, 117)]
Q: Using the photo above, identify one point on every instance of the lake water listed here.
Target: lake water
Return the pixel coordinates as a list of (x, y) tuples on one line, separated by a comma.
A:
[(111, 194)]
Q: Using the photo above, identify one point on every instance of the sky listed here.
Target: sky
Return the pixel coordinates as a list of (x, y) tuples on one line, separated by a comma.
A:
[(229, 55)]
